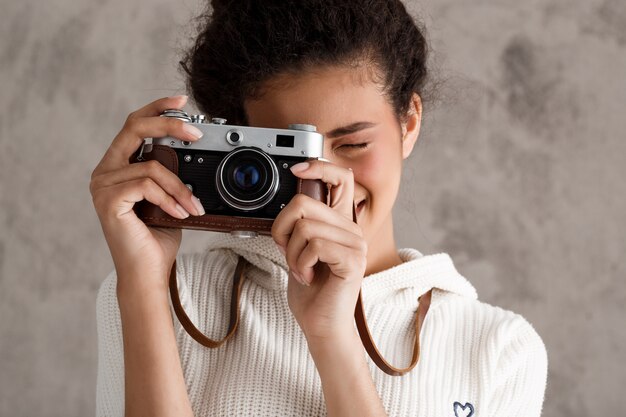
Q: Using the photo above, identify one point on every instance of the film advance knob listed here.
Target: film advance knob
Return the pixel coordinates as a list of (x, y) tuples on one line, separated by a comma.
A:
[(302, 126)]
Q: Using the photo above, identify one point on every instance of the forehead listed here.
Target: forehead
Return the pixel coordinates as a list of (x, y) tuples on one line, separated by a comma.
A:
[(327, 97)]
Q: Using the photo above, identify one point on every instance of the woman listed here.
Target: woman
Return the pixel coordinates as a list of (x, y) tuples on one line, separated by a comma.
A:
[(357, 71)]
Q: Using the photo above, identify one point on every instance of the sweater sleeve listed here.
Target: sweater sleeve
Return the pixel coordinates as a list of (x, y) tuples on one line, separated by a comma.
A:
[(521, 375), (110, 379)]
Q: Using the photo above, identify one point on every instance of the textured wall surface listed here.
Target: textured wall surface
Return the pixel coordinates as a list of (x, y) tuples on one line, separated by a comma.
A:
[(519, 175)]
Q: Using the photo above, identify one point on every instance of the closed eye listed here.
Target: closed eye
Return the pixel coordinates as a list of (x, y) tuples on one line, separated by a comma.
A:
[(355, 145)]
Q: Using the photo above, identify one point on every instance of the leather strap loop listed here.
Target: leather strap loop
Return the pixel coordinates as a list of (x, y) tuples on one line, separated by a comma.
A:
[(359, 315), (366, 336), (234, 307), (370, 347)]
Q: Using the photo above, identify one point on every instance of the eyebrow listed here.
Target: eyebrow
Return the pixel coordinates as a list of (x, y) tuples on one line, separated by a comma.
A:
[(351, 128)]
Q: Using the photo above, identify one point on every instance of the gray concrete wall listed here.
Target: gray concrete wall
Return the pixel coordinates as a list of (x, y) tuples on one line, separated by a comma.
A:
[(519, 175)]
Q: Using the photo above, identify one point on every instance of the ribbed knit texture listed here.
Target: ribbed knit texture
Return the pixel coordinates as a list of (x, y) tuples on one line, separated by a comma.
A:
[(471, 352)]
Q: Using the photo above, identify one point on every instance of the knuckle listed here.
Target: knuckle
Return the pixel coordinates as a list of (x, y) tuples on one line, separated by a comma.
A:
[(276, 226), (302, 227), (152, 167), (94, 185), (94, 173), (93, 178), (146, 182), (132, 117), (132, 124), (299, 200), (318, 167), (173, 124), (316, 244), (315, 163), (100, 201), (274, 231)]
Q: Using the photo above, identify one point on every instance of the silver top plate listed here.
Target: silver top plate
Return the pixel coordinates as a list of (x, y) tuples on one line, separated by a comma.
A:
[(220, 138)]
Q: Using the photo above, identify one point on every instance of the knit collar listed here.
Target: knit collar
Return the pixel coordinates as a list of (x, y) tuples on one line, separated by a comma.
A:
[(417, 274)]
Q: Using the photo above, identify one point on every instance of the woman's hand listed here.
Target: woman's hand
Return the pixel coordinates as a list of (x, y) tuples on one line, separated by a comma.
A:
[(116, 185), (326, 254)]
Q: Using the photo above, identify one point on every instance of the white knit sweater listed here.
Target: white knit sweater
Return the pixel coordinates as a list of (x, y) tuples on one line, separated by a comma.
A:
[(476, 359)]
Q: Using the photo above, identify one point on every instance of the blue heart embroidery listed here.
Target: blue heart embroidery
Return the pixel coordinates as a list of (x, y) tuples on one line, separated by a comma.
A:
[(466, 410)]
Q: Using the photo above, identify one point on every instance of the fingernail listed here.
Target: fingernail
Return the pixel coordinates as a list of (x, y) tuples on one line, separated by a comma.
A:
[(281, 249), (182, 211), (198, 205), (180, 97), (299, 167), (299, 278), (192, 130)]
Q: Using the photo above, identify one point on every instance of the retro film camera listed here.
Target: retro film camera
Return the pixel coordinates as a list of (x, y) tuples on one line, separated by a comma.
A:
[(240, 174)]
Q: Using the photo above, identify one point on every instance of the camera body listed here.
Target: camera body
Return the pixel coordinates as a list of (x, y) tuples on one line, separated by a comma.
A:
[(240, 173)]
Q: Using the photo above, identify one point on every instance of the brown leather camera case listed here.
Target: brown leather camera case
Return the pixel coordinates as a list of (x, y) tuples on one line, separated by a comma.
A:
[(152, 214)]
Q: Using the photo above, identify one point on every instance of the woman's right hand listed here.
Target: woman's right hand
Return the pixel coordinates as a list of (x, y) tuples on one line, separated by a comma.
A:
[(116, 185)]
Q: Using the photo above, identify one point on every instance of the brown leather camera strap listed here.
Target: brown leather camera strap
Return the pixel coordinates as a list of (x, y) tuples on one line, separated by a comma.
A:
[(359, 315), (366, 336), (368, 342), (234, 307)]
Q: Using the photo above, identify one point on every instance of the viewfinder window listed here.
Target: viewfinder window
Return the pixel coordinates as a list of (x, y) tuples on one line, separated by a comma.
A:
[(285, 141)]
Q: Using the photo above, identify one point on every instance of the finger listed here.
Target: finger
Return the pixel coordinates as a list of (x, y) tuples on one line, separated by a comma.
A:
[(117, 201), (155, 170), (307, 230), (302, 206), (115, 153), (159, 106), (135, 130), (344, 262), (130, 138), (341, 181)]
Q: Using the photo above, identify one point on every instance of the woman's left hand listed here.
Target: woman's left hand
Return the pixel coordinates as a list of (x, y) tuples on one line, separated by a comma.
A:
[(326, 254)]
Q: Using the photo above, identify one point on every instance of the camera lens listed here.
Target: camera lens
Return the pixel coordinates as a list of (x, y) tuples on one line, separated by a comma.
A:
[(247, 179), (246, 176)]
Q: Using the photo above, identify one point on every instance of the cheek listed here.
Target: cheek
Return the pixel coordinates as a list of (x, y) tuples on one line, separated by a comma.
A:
[(379, 173)]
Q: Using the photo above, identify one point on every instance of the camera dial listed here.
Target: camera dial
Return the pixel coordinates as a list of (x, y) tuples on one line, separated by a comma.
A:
[(177, 114), (302, 126)]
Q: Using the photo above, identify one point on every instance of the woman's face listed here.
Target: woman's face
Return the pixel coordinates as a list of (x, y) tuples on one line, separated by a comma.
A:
[(360, 132)]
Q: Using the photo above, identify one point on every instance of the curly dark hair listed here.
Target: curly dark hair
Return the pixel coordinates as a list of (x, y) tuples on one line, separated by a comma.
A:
[(244, 43)]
